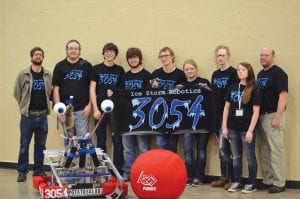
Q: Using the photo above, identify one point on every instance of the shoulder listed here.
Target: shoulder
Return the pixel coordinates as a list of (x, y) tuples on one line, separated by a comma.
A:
[(279, 70)]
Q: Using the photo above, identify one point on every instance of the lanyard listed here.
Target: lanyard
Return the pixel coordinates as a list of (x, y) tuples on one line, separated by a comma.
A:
[(240, 96)]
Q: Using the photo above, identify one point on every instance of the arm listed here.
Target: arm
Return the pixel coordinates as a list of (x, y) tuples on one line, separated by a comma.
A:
[(282, 102), (93, 99), (17, 89), (225, 120), (254, 118)]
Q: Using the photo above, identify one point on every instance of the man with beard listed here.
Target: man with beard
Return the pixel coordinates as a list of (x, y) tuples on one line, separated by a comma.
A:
[(71, 77), (136, 78), (32, 91), (105, 79)]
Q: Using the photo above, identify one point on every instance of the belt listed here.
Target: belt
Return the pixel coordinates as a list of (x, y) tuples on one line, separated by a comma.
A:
[(37, 113), (267, 112)]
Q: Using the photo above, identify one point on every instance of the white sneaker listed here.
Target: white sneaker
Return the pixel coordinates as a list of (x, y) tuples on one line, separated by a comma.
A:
[(249, 188), (234, 187)]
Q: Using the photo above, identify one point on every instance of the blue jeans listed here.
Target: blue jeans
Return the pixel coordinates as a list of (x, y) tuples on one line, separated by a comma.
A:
[(37, 125), (81, 124), (131, 143), (225, 156), (116, 140), (237, 144), (167, 141)]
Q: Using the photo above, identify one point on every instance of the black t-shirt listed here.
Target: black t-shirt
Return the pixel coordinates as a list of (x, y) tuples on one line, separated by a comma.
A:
[(221, 80), (106, 77), (132, 81), (168, 80), (271, 83), (38, 99), (196, 82), (241, 123), (73, 80)]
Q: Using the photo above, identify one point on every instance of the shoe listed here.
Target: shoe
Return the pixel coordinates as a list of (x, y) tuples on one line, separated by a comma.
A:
[(234, 187), (21, 177), (196, 182), (228, 184), (263, 186), (219, 183), (189, 182), (126, 178), (249, 188), (276, 189), (40, 173)]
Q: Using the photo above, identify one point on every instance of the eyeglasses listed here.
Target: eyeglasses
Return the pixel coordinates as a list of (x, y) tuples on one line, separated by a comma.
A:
[(71, 48), (163, 56)]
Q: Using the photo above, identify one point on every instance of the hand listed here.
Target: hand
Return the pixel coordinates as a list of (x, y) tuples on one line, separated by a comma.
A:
[(109, 93), (179, 86), (86, 111), (97, 114), (275, 122), (249, 137), (154, 83), (225, 133), (61, 118)]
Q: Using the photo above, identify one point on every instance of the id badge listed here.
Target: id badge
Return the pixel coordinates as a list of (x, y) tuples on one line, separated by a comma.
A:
[(239, 112)]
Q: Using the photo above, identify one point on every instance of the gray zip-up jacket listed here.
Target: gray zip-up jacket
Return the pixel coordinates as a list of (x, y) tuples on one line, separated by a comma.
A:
[(22, 89)]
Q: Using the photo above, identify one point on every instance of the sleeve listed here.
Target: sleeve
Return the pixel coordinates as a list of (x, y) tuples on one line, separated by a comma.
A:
[(227, 95), (93, 74), (281, 81), (18, 88), (256, 96), (57, 76)]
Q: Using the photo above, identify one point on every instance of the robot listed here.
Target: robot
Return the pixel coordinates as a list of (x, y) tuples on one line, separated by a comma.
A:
[(80, 170)]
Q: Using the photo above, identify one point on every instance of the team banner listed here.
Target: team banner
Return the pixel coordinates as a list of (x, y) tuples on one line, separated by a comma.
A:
[(162, 111)]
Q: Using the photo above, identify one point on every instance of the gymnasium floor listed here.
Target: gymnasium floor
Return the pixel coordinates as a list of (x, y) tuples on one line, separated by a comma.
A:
[(10, 189)]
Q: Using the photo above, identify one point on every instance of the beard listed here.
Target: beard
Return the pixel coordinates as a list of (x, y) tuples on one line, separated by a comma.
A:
[(37, 62), (136, 66)]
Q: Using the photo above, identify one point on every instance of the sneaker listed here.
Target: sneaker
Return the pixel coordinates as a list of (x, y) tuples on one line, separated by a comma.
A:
[(196, 182), (188, 182), (40, 173), (219, 183), (21, 177), (126, 178), (276, 189), (249, 188), (234, 187)]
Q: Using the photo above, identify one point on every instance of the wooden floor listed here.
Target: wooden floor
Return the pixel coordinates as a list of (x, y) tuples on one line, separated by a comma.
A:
[(11, 189)]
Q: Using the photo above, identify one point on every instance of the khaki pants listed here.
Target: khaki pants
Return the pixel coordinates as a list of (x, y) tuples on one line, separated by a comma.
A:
[(270, 142)]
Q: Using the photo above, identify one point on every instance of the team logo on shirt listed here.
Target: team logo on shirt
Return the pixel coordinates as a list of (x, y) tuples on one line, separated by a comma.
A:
[(74, 75), (133, 84), (111, 79), (234, 95), (38, 84), (166, 83), (262, 82), (221, 82)]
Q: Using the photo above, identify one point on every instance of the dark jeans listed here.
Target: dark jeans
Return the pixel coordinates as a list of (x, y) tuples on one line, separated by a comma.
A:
[(167, 141), (37, 125), (237, 144), (116, 140), (196, 166)]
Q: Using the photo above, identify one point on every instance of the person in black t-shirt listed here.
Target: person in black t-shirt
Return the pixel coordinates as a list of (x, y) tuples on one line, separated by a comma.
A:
[(105, 79), (273, 82), (195, 167), (240, 116), (168, 76), (71, 77), (221, 80), (32, 91), (136, 78)]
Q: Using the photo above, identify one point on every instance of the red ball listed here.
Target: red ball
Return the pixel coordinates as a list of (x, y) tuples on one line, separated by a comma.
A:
[(159, 174)]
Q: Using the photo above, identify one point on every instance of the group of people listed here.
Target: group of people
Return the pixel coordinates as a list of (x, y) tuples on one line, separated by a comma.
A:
[(245, 107)]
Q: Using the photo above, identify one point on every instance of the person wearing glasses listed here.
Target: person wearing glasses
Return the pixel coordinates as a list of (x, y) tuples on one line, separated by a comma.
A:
[(71, 77), (240, 116), (106, 77), (167, 77)]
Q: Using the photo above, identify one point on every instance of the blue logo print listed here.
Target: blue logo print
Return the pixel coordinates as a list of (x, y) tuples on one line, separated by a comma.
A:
[(74, 75), (262, 82), (221, 82), (133, 84), (38, 85), (110, 79), (234, 96), (166, 84)]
